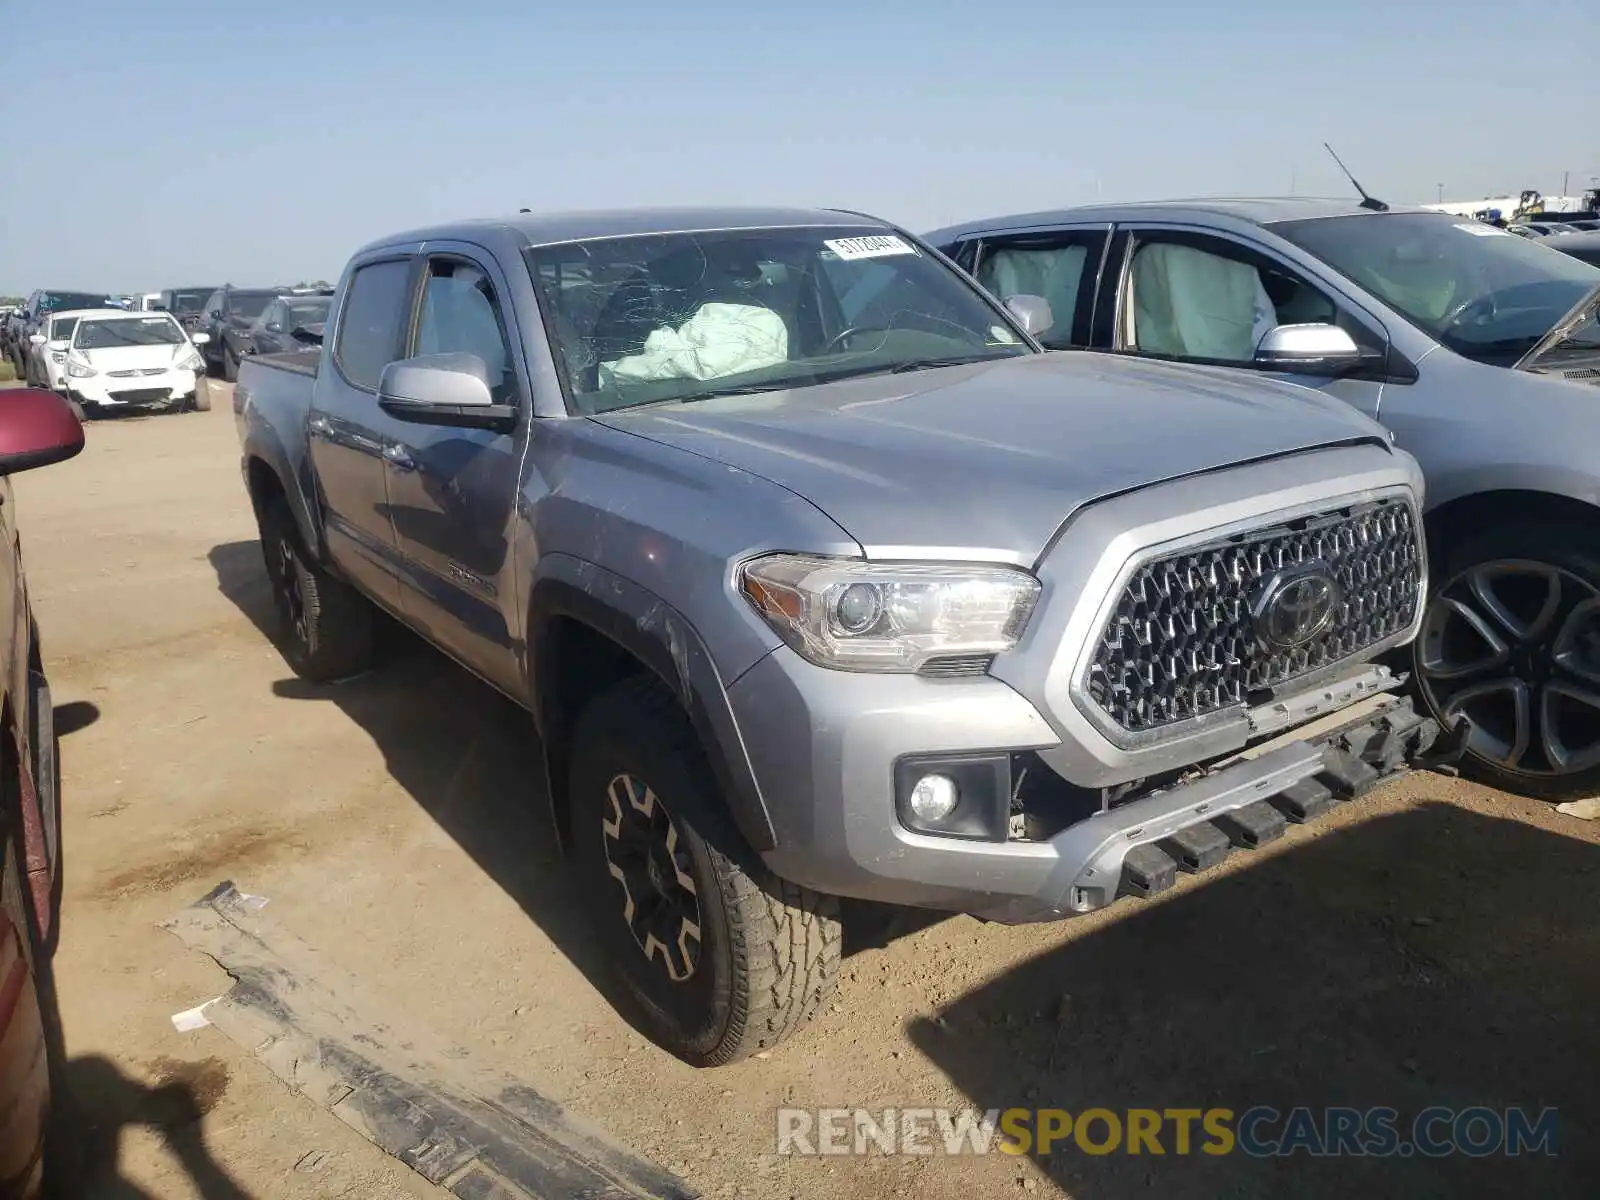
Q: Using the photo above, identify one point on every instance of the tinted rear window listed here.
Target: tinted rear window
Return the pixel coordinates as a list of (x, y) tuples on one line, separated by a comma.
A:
[(370, 321)]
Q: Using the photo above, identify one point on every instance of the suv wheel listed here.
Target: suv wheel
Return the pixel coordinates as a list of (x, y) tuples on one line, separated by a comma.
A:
[(724, 958), (327, 624), (230, 363), (1511, 640)]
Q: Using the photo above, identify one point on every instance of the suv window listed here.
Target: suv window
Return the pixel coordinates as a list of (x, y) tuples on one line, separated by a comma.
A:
[(460, 315), (1204, 298), (372, 321), (1061, 267)]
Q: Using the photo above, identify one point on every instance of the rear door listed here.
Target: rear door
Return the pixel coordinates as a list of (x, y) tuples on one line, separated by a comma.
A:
[(349, 433), (453, 492), (1203, 296), (1061, 265)]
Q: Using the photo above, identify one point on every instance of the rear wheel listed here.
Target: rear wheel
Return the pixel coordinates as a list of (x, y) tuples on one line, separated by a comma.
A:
[(327, 624), (1511, 640), (724, 958)]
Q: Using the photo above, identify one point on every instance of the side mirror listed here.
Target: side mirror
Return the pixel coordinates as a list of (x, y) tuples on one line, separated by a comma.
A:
[(215, 314), (59, 345), (273, 327), (443, 389), (1307, 349), (37, 428), (36, 339), (1032, 312), (199, 339)]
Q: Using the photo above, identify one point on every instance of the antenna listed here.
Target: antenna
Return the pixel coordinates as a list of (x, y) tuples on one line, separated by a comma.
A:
[(1366, 200)]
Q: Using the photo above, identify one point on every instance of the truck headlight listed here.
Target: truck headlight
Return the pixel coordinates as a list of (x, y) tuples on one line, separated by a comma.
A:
[(854, 615), (190, 360), (79, 369)]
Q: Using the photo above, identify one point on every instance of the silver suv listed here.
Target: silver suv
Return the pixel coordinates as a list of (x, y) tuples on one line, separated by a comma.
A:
[(1478, 349)]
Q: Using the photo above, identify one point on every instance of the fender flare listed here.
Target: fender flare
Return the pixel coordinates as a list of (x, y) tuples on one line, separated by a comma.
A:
[(663, 640), (264, 447)]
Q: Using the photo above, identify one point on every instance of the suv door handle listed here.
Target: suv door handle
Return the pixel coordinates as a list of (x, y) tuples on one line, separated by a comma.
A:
[(397, 457), (320, 425)]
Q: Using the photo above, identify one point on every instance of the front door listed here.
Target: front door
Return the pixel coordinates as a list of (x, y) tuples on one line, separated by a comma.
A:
[(1197, 297), (453, 492), (349, 433)]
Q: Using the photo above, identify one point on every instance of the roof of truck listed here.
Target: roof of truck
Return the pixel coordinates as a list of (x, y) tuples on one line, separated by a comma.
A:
[(1256, 210), (544, 229)]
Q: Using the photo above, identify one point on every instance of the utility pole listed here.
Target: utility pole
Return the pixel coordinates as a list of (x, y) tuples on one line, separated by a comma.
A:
[(1563, 183), (1441, 193)]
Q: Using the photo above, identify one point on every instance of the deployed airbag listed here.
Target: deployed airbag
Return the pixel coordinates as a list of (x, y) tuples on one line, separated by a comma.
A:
[(719, 340)]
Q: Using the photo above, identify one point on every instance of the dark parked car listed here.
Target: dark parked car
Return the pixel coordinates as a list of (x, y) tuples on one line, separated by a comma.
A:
[(275, 329), (229, 314), (1585, 247), (36, 428), (188, 304), (26, 322)]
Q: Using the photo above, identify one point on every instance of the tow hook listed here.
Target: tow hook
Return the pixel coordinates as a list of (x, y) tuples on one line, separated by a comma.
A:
[(1447, 749)]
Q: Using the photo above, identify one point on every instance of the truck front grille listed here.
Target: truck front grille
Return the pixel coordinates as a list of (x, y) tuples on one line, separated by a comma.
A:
[(1185, 639)]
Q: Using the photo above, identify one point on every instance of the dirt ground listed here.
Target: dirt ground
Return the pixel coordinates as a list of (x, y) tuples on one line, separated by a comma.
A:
[(1435, 943)]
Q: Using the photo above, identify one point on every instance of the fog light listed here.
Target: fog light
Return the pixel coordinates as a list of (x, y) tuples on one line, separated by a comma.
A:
[(934, 798)]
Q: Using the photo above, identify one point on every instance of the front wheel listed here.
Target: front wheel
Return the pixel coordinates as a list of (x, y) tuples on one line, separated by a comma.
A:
[(77, 410), (201, 400), (724, 958), (230, 364), (1511, 640), (327, 623)]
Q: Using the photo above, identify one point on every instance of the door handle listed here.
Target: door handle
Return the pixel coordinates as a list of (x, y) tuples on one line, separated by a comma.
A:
[(320, 425), (397, 457)]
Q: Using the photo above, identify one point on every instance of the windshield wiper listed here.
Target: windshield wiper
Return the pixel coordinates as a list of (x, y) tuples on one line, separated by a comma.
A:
[(953, 360), (1563, 329), (908, 365)]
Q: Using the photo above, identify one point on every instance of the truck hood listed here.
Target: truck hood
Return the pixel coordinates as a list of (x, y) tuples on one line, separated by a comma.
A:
[(989, 459)]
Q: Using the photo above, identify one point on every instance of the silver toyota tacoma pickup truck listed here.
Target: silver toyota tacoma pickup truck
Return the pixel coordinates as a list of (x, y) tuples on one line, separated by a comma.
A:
[(821, 580)]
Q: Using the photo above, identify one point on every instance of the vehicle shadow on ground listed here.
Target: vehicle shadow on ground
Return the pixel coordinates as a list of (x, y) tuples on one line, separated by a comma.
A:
[(104, 1103), (471, 759), (1432, 957), (466, 754)]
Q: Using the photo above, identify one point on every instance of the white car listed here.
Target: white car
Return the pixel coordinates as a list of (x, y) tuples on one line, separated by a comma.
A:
[(119, 359), (46, 362)]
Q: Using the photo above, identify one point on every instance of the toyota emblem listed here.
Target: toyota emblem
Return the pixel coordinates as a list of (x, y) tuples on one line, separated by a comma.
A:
[(1296, 604)]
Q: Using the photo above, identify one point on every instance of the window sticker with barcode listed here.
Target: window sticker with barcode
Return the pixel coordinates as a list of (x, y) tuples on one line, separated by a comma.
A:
[(880, 245)]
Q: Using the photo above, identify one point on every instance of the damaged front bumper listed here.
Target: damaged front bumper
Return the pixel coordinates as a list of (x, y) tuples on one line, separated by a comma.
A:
[(1140, 848)]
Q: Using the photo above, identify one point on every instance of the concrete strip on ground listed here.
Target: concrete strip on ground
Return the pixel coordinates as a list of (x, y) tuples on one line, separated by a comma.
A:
[(480, 1134)]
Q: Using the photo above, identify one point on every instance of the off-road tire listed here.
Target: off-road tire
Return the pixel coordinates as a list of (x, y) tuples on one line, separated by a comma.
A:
[(331, 637), (1566, 545), (769, 950)]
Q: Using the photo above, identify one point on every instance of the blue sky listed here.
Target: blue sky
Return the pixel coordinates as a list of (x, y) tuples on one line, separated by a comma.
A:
[(169, 143)]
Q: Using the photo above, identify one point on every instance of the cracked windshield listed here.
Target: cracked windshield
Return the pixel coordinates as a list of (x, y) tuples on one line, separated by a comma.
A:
[(688, 316)]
